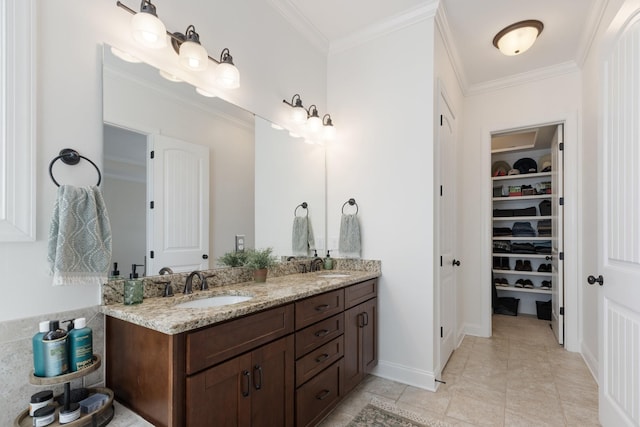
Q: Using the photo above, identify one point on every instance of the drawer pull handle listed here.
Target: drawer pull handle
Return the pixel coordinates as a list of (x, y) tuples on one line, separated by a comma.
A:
[(366, 318), (322, 333), (322, 357), (323, 394), (322, 307), (247, 383), (256, 384)]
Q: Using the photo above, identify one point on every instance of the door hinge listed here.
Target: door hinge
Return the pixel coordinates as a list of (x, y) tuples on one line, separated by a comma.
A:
[(561, 256), (561, 311), (152, 154), (151, 205), (441, 332), (440, 119), (151, 254), (561, 201), (441, 190), (440, 260), (561, 146)]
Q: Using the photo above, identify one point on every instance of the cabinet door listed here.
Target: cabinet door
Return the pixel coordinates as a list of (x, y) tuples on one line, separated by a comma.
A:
[(221, 395), (360, 343), (272, 386)]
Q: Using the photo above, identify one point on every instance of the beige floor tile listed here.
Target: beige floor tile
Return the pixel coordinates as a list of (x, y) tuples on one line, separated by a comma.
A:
[(519, 377)]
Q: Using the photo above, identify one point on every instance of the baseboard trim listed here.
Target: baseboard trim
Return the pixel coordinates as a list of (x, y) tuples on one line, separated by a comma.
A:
[(475, 330), (406, 375), (590, 360)]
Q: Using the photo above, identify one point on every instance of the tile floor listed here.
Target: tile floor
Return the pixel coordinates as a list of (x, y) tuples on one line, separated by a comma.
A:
[(519, 377)]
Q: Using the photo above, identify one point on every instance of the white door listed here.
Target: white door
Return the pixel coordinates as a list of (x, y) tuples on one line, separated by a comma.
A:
[(618, 269), (557, 246), (178, 223), (447, 238)]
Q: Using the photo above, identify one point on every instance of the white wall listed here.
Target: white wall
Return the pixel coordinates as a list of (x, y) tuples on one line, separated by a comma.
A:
[(381, 97), (273, 60), (282, 189), (545, 101)]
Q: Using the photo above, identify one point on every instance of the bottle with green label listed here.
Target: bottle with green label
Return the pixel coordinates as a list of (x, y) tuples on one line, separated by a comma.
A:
[(80, 345)]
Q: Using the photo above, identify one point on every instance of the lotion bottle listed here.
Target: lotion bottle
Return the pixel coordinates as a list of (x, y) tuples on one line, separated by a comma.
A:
[(80, 345), (38, 349), (133, 290), (328, 262), (56, 360)]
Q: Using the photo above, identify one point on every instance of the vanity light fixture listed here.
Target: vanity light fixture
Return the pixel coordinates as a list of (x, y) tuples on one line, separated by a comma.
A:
[(191, 53), (518, 38), (328, 130), (298, 112), (147, 28), (314, 123)]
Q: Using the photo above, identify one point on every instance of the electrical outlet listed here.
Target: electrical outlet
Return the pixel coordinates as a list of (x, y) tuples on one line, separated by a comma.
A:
[(239, 242)]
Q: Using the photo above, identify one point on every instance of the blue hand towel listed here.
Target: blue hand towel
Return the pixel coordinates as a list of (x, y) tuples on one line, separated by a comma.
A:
[(349, 243), (302, 236), (79, 237)]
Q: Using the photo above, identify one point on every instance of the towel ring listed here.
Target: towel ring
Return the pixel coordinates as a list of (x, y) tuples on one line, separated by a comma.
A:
[(69, 156), (302, 205), (350, 202)]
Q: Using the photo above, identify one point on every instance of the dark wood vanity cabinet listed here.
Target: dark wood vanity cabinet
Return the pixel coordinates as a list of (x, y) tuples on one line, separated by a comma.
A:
[(284, 366), (360, 332)]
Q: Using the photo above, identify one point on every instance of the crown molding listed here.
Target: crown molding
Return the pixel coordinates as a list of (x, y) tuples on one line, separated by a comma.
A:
[(522, 78), (594, 20), (301, 24), (443, 27), (379, 29)]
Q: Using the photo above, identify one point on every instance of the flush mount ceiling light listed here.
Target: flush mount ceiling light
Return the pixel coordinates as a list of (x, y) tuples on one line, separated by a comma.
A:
[(518, 38), (149, 31)]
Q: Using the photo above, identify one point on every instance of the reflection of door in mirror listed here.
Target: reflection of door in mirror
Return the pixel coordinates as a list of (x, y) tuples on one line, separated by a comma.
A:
[(170, 208)]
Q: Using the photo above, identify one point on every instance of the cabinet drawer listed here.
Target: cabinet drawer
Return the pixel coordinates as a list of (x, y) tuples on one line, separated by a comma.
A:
[(317, 397), (354, 295), (319, 307), (318, 359), (319, 334), (215, 344)]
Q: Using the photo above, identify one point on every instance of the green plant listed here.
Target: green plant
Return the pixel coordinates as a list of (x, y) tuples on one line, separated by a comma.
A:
[(233, 259), (258, 259)]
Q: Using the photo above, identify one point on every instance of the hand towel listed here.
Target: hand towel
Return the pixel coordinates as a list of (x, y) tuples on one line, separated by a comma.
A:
[(349, 243), (79, 237), (302, 236)]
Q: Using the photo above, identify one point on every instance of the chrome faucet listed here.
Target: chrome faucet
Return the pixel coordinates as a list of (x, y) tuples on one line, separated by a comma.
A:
[(316, 264), (188, 286)]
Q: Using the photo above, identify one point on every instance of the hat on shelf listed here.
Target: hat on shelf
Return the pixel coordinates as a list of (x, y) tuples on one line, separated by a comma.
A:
[(545, 162), (500, 168), (526, 165)]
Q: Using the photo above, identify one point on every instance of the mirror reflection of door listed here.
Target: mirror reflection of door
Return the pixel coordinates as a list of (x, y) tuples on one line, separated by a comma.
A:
[(125, 194)]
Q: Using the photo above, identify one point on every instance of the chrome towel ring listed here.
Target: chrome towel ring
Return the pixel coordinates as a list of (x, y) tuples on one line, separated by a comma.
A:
[(350, 202), (302, 205)]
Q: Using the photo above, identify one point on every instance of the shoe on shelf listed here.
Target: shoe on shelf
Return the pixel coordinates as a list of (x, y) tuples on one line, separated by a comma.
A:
[(519, 265), (504, 282), (526, 266), (504, 263), (519, 283), (497, 263), (542, 268), (546, 284), (527, 284)]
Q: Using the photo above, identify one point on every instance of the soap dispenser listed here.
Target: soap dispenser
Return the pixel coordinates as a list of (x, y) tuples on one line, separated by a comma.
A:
[(133, 290), (328, 262), (115, 273)]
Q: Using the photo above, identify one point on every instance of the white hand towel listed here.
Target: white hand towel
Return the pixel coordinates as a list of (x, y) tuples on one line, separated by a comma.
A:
[(349, 243), (79, 237), (302, 236)]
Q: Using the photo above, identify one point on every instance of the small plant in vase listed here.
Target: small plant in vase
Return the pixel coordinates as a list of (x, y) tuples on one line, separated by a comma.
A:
[(233, 259), (259, 260)]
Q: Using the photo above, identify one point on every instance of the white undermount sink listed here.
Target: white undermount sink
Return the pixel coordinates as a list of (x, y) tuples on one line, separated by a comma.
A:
[(333, 275), (216, 301)]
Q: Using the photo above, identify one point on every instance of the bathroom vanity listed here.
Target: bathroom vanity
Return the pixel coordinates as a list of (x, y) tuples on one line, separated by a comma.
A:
[(286, 357)]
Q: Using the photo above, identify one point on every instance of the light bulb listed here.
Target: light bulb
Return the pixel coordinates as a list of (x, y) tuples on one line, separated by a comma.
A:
[(148, 30), (314, 123), (227, 76), (298, 115), (193, 56)]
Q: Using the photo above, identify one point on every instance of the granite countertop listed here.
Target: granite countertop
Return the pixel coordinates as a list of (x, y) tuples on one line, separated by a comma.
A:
[(160, 314)]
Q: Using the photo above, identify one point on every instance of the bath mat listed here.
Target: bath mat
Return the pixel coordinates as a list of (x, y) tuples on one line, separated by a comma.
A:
[(382, 414)]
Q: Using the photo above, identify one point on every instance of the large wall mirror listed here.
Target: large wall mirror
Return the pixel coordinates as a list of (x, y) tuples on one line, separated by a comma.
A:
[(212, 170)]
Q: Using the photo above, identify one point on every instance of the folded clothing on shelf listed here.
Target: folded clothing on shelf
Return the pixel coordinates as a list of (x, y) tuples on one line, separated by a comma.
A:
[(522, 248), (502, 246), (544, 227), (543, 247), (523, 229), (503, 212), (530, 211), (501, 231), (545, 208)]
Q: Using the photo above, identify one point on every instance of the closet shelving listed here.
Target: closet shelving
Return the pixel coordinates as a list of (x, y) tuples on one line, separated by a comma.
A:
[(517, 202)]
